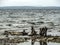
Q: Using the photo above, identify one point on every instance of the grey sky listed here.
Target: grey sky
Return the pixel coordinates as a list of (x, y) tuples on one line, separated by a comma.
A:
[(29, 2)]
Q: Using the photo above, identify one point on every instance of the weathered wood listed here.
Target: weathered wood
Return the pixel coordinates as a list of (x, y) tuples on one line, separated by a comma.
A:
[(33, 32), (42, 36), (7, 33), (43, 31)]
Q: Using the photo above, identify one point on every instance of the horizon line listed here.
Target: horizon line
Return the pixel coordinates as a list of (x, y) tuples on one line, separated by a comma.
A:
[(29, 6)]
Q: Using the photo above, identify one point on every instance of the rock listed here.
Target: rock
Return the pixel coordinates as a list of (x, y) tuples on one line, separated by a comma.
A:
[(9, 24)]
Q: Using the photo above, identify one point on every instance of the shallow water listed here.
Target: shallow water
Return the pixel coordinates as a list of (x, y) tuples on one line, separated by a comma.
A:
[(32, 43)]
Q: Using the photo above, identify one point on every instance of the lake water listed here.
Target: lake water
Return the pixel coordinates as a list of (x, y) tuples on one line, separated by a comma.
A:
[(24, 19)]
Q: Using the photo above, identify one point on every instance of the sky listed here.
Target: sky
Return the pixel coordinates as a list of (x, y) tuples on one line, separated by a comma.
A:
[(29, 3)]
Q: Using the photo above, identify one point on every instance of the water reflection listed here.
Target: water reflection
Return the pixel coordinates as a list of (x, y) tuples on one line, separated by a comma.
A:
[(31, 42), (40, 43), (43, 43)]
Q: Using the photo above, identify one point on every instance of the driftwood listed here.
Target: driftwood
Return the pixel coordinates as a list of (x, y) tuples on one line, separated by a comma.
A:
[(42, 36)]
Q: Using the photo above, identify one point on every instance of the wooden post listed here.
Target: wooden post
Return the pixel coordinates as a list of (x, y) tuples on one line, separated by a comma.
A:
[(33, 32), (43, 31), (6, 33), (24, 32)]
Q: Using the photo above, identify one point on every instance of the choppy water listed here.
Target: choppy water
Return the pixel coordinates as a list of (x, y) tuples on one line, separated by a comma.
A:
[(24, 19)]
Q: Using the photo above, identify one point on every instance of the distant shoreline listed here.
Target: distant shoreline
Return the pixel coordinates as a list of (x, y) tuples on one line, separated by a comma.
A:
[(28, 7)]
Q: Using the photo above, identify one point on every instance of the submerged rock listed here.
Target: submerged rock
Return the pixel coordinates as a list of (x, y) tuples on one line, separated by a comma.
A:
[(23, 20), (32, 23), (9, 25), (41, 22)]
